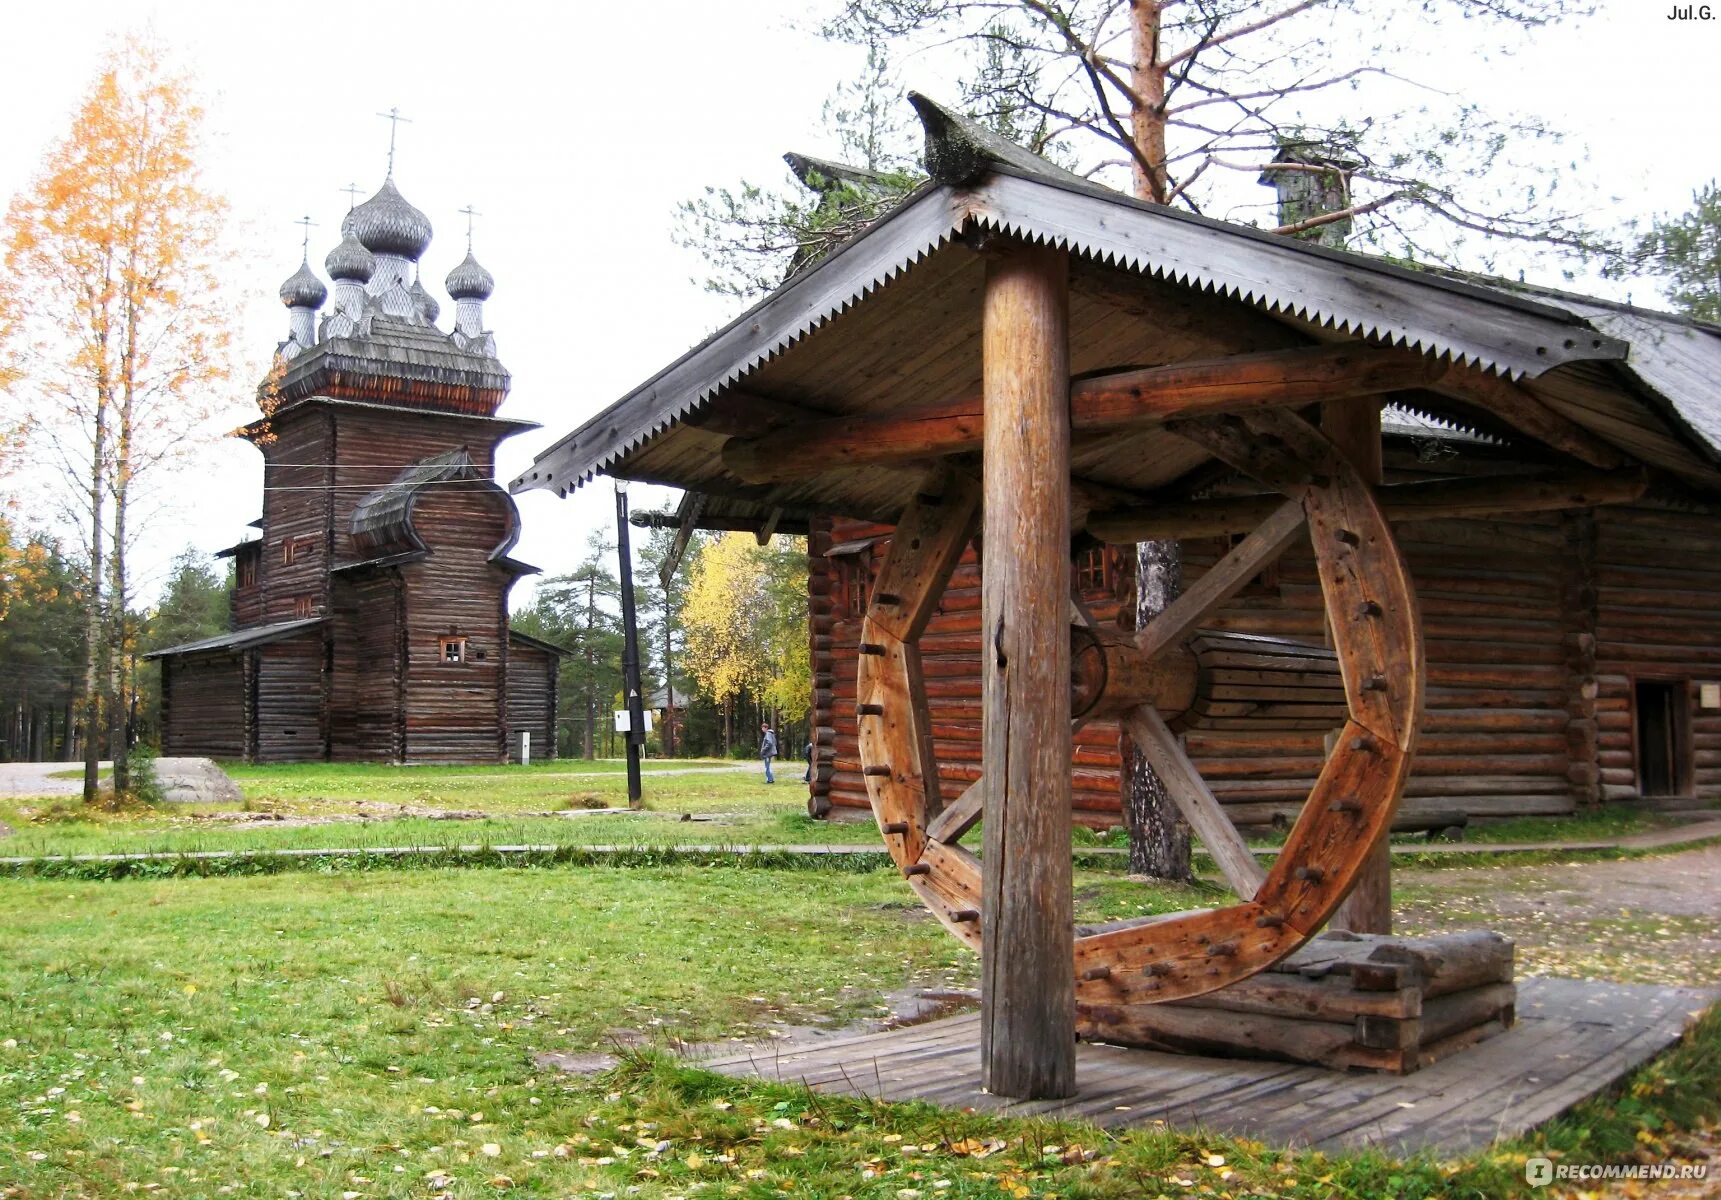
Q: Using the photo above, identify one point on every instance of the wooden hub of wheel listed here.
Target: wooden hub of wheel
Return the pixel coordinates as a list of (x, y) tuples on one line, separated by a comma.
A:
[(1367, 688)]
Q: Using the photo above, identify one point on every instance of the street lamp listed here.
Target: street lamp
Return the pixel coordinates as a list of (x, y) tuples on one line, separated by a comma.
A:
[(630, 650)]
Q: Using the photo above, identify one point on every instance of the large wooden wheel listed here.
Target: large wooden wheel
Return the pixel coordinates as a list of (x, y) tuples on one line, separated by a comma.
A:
[(1148, 681)]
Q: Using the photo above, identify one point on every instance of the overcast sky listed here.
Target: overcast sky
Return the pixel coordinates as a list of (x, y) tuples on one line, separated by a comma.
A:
[(576, 128)]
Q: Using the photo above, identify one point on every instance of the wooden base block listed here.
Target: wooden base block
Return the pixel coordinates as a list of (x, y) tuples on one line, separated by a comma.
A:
[(1346, 1001)]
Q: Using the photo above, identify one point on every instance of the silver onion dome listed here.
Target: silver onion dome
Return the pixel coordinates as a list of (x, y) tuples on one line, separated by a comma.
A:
[(303, 289), (350, 260), (425, 303), (469, 281), (387, 224)]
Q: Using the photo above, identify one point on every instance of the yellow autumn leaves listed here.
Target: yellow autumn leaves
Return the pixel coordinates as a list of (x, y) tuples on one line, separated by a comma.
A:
[(745, 620)]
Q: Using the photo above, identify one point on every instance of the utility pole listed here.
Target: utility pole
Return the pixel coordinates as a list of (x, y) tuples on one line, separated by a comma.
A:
[(630, 650)]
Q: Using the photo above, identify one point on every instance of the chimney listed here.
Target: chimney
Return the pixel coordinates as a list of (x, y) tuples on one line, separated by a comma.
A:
[(1311, 180)]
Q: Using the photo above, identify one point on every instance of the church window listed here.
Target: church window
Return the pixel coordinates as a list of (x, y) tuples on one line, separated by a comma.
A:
[(453, 649), (246, 570), (293, 548), (304, 607)]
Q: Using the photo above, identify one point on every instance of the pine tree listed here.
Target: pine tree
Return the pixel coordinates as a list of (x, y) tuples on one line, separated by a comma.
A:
[(1686, 251)]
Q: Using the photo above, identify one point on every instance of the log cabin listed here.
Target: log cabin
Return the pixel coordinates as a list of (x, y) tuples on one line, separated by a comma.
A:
[(1014, 375), (370, 617)]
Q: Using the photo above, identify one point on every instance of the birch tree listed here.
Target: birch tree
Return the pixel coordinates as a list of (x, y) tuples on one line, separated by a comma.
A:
[(123, 329), (745, 622)]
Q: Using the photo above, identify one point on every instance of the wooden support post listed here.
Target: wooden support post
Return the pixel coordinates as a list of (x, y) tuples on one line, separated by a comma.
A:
[(1028, 1012), (1354, 427)]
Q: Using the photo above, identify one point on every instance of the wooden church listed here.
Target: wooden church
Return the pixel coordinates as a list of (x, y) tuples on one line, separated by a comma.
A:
[(370, 617)]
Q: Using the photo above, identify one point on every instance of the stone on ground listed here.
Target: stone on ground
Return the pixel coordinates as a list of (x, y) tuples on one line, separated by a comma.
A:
[(195, 781)]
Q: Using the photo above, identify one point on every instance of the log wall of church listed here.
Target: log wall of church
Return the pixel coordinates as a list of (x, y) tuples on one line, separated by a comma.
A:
[(457, 712), (203, 706), (366, 721), (296, 509), (371, 448), (531, 699), (289, 700)]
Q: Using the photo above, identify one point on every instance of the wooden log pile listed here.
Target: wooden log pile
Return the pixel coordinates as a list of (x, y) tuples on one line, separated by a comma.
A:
[(1346, 1001)]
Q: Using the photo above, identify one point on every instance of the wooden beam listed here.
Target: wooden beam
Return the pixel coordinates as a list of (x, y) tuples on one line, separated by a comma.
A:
[(747, 414), (1223, 581), (1233, 443), (692, 504), (768, 530), (1436, 500), (1183, 783), (930, 537), (1117, 400), (1272, 379), (1028, 1007), (1522, 410)]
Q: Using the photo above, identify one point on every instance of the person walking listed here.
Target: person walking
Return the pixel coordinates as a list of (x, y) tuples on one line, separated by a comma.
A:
[(767, 750), (808, 777)]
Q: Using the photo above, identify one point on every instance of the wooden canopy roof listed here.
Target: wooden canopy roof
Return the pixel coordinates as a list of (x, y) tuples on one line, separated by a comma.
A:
[(241, 639), (887, 329)]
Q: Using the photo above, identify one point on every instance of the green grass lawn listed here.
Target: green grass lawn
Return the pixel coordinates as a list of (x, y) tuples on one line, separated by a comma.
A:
[(729, 802), (732, 807), (374, 1035)]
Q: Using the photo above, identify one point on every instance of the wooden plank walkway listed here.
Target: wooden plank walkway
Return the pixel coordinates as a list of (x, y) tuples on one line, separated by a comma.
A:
[(1573, 1039)]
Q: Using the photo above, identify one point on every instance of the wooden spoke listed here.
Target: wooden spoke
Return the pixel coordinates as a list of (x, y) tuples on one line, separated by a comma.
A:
[(960, 815), (1226, 578), (1193, 799)]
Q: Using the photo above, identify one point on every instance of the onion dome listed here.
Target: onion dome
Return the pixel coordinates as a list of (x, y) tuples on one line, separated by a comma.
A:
[(350, 260), (303, 289), (424, 303), (469, 281), (387, 224)]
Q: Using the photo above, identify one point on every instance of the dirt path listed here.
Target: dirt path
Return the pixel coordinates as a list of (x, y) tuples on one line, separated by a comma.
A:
[(1648, 920)]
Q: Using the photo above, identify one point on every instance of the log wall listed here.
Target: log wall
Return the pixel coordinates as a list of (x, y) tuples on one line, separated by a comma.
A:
[(531, 699), (290, 700), (203, 706), (457, 712), (1537, 629), (1657, 618), (296, 506), (245, 605), (368, 630)]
